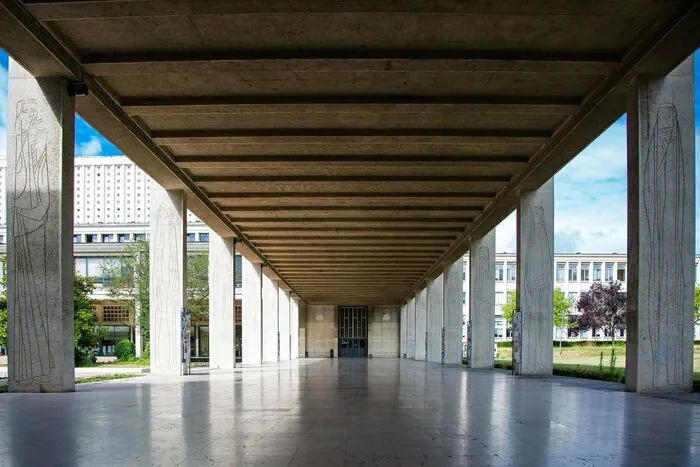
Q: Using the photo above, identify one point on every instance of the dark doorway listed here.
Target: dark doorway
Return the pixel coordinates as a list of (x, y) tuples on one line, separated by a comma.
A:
[(352, 331)]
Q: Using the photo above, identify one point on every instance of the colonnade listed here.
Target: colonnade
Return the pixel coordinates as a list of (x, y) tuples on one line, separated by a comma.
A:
[(661, 244)]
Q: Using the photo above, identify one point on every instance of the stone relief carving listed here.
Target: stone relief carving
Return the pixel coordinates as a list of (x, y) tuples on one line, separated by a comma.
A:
[(32, 357), (166, 263), (663, 208)]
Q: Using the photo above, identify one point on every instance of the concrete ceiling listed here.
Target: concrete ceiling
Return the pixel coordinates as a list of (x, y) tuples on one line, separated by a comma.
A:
[(356, 146)]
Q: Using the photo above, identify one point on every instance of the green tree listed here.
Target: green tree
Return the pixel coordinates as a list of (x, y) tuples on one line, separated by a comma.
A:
[(126, 278), (697, 305), (508, 310), (198, 285), (561, 306), (86, 331)]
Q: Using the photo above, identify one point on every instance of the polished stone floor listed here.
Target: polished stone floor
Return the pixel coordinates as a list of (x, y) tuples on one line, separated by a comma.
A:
[(349, 412)]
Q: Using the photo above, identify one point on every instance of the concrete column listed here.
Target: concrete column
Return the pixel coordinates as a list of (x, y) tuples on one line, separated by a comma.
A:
[(168, 272), (482, 305), (284, 324), (403, 328), (421, 323), (301, 324), (40, 129), (411, 329), (138, 341), (661, 232), (270, 316), (535, 276), (251, 326), (434, 320), (452, 312), (294, 327), (222, 308)]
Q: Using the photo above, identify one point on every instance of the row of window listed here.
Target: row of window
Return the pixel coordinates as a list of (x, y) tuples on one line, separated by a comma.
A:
[(126, 237), (611, 273)]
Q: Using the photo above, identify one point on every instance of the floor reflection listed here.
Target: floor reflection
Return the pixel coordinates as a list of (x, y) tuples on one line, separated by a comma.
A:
[(350, 412)]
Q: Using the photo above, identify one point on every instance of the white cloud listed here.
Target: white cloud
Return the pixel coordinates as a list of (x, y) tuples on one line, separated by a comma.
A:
[(590, 200), (92, 147)]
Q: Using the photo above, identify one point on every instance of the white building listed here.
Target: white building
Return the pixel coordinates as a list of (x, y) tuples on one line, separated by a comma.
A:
[(112, 206), (573, 273)]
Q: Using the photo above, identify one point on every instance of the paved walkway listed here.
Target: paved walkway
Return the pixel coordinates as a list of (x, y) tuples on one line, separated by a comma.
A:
[(345, 412)]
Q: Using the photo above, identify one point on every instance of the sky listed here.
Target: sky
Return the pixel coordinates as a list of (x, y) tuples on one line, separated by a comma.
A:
[(590, 193)]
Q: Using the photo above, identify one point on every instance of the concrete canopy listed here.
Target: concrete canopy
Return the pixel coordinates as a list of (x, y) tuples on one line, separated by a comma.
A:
[(353, 147)]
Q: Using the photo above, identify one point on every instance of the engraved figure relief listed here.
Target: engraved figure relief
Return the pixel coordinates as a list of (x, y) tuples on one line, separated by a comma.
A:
[(482, 293), (537, 269), (32, 358), (168, 267), (663, 211)]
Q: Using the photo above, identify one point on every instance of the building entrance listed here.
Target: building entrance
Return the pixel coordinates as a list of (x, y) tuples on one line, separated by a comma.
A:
[(352, 331)]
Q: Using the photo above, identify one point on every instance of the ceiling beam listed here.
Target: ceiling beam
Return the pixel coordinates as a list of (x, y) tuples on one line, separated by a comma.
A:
[(355, 60), (366, 211), (202, 179), (349, 220), (359, 160), (353, 104), (52, 10), (303, 136), (223, 196), (357, 242)]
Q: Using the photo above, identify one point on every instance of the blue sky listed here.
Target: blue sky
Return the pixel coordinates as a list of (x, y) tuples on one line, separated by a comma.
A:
[(590, 192)]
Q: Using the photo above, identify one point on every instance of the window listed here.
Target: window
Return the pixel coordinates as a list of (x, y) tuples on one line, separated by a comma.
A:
[(597, 271), (609, 272), (115, 314), (560, 272), (622, 272), (140, 237), (107, 238), (585, 272), (123, 238), (77, 239), (464, 298), (573, 270), (499, 271), (2, 239), (91, 238), (498, 333), (238, 271), (510, 272), (204, 237), (499, 298), (190, 237)]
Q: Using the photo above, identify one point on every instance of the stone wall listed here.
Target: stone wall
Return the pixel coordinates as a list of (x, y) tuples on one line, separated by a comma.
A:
[(321, 330), (384, 331)]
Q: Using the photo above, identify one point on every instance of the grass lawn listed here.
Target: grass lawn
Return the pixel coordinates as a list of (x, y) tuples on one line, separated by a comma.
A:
[(588, 355), (584, 361), (140, 363), (90, 379)]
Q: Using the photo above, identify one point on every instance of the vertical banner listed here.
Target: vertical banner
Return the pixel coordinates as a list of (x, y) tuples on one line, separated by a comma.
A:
[(469, 343), (185, 338), (517, 339)]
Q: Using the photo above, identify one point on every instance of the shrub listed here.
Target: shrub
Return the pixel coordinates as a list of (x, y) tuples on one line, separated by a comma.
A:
[(84, 356), (124, 350)]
